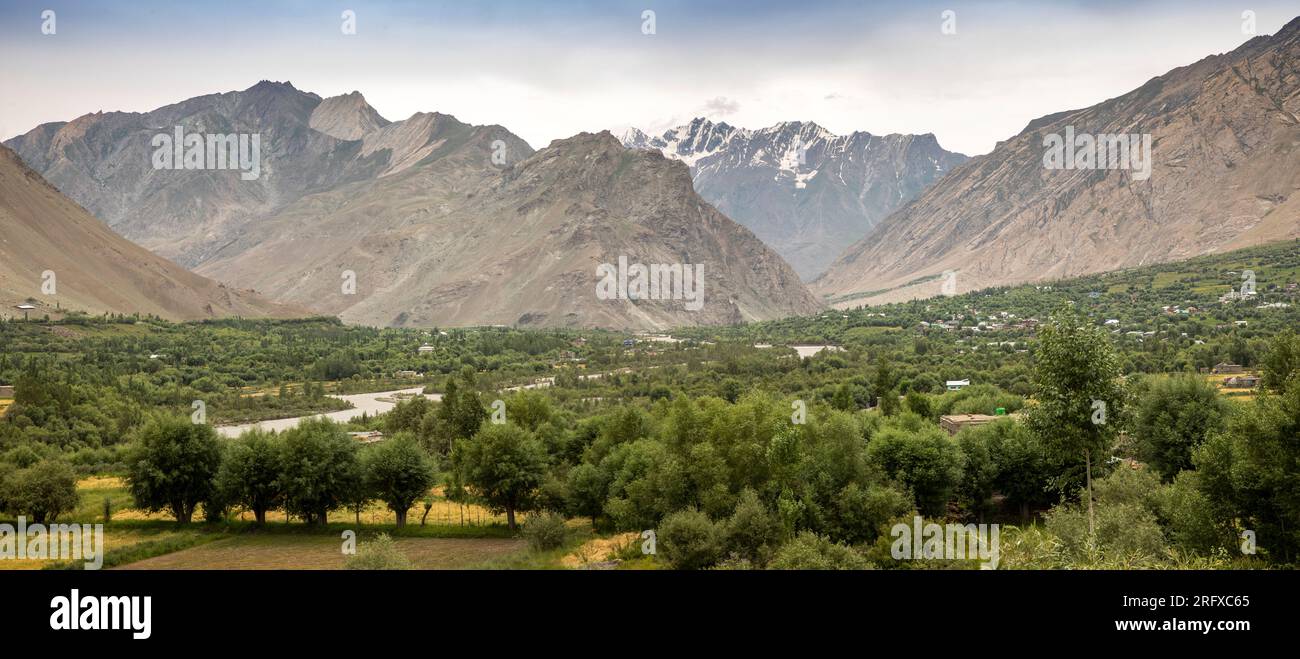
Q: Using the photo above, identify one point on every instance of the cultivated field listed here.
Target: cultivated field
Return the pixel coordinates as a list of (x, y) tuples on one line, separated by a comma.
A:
[(324, 552)]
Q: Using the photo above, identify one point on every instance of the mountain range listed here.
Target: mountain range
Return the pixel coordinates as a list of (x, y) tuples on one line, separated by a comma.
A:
[(430, 221), (1225, 173), (803, 190), (426, 221)]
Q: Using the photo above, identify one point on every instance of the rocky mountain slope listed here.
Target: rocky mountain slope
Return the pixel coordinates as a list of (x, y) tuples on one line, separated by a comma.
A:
[(460, 241), (804, 191), (105, 162), (92, 268), (438, 221), (347, 117), (1225, 145)]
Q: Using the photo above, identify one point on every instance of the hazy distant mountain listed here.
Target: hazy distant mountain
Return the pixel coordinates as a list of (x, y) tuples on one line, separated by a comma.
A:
[(440, 245), (92, 268), (1226, 151), (805, 192)]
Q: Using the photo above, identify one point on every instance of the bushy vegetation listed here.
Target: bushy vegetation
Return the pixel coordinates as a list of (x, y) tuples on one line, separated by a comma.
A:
[(545, 532), (1109, 449), (382, 553)]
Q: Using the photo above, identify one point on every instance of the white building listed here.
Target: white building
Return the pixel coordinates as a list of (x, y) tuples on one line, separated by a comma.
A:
[(957, 385)]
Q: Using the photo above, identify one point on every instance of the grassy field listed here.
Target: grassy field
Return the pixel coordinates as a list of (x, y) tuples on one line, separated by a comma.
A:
[(271, 551), (454, 536), (122, 543), (1236, 394), (96, 489)]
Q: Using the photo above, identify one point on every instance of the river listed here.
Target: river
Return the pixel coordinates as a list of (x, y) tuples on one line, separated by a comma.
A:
[(368, 403)]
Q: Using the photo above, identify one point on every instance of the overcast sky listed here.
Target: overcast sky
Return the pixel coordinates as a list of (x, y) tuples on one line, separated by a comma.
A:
[(546, 69)]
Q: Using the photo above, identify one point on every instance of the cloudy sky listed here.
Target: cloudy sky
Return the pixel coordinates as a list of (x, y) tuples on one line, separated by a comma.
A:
[(547, 69)]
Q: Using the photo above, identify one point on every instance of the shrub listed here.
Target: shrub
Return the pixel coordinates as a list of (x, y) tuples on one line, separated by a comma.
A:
[(545, 532), (809, 551), (689, 540), (378, 554), (1187, 514)]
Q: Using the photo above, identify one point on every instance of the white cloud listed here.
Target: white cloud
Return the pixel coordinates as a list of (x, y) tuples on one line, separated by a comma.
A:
[(893, 73)]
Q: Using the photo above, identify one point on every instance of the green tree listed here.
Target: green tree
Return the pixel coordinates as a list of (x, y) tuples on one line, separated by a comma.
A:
[(980, 471), (529, 409), (752, 532), (1249, 472), (928, 462), (731, 390), (172, 466), (1079, 391), (461, 412), (42, 491), (319, 469), (250, 473), (1174, 416), (588, 488), (883, 382), (504, 465), (1281, 363), (919, 403), (1024, 473), (399, 473)]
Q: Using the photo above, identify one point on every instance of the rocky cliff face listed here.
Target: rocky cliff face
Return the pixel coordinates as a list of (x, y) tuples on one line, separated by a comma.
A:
[(106, 162), (1225, 147), (462, 240), (804, 191), (347, 117)]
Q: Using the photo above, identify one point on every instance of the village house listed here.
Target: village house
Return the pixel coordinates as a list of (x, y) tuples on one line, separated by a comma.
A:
[(426, 348), (1224, 367), (6, 391), (406, 374), (367, 436), (1241, 382), (957, 385), (953, 423)]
